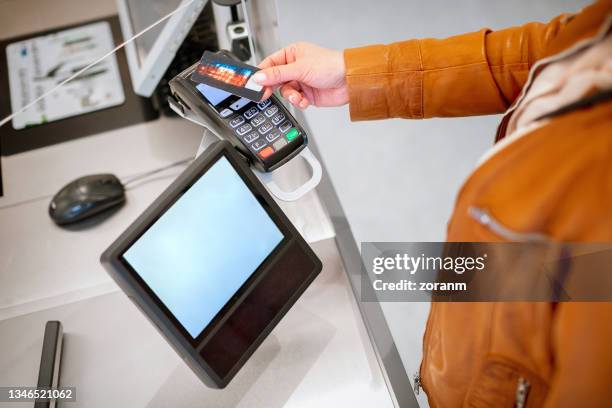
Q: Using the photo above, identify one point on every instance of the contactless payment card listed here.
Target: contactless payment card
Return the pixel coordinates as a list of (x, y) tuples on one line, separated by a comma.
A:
[(232, 76)]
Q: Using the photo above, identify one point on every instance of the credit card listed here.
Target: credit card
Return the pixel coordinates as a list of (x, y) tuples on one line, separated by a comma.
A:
[(220, 71)]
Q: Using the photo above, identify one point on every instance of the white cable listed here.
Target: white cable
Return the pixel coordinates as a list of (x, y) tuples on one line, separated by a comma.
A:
[(117, 48)]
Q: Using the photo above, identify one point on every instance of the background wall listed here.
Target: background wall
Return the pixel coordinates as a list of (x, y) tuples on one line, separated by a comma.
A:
[(397, 179)]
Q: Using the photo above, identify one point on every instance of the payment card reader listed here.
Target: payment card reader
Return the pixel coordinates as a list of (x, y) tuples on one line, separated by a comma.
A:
[(265, 133)]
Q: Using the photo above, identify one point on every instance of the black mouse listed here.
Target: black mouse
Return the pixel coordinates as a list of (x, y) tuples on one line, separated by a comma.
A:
[(85, 197)]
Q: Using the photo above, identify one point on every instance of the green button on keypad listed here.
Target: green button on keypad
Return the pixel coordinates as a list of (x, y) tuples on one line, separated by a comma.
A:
[(292, 134)]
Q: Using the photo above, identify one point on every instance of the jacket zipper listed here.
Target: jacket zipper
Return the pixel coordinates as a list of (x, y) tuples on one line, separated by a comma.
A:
[(418, 382), (484, 218), (522, 391)]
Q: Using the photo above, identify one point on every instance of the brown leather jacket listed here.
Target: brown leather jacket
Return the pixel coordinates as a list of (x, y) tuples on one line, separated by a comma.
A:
[(555, 182)]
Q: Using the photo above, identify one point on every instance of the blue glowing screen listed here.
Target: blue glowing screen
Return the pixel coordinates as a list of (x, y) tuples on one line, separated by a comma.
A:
[(205, 246)]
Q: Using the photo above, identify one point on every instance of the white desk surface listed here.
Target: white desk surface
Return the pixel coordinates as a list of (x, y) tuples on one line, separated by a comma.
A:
[(41, 263), (319, 355)]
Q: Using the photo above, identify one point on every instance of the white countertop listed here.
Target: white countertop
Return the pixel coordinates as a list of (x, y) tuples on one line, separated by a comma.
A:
[(318, 355), (42, 263)]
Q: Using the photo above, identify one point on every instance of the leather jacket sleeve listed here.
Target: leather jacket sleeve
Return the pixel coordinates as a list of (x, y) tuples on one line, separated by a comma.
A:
[(471, 74)]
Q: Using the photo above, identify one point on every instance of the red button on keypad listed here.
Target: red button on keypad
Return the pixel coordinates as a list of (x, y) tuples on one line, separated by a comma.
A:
[(266, 152)]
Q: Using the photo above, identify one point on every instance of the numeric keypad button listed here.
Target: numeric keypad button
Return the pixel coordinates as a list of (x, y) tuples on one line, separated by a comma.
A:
[(258, 120), (278, 118), (264, 104), (265, 128), (250, 137), (251, 112), (236, 121), (244, 129), (271, 111), (258, 145)]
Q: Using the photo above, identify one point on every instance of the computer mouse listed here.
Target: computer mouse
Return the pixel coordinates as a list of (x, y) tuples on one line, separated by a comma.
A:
[(85, 197)]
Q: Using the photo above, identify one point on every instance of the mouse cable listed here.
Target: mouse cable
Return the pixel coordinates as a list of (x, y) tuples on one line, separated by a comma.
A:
[(26, 201), (139, 176), (150, 180), (129, 180)]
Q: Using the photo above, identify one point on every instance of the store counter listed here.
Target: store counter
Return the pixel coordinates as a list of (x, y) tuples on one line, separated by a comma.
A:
[(320, 353)]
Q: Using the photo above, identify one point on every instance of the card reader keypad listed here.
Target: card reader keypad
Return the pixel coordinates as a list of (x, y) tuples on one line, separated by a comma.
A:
[(263, 127)]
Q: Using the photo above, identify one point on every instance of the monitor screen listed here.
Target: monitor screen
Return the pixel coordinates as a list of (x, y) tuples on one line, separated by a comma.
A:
[(199, 253), (163, 26), (143, 13)]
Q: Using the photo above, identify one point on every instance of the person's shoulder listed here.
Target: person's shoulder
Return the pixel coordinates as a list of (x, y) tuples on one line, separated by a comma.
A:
[(583, 176)]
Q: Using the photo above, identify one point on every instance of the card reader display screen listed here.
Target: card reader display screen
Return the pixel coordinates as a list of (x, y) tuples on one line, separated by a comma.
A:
[(214, 95), (198, 254)]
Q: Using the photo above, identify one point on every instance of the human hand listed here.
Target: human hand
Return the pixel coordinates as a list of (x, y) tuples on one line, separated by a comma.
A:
[(306, 74)]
